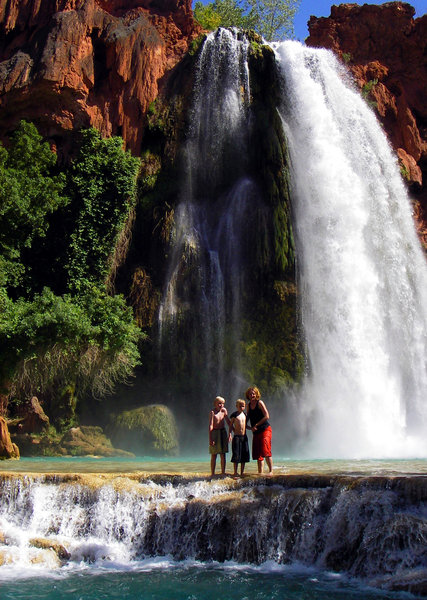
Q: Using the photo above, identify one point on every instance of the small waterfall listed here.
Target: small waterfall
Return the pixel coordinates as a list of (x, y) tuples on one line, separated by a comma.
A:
[(199, 318), (372, 528), (362, 274)]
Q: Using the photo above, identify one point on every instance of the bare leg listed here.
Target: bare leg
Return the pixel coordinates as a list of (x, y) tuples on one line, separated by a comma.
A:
[(260, 466), (269, 462), (242, 468), (223, 464), (213, 463), (235, 470)]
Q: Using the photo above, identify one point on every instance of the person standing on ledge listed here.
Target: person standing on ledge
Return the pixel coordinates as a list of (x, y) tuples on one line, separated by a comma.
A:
[(218, 436), (261, 441)]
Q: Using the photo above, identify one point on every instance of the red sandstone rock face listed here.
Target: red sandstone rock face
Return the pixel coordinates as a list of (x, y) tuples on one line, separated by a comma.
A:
[(387, 44), (67, 64)]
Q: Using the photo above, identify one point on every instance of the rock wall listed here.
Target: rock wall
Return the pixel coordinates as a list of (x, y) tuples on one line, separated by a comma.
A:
[(67, 64), (385, 49)]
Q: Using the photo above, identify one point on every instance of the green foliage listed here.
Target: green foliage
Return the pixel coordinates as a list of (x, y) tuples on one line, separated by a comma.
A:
[(54, 341), (196, 44), (29, 192), (273, 19), (63, 346), (346, 56), (103, 190), (270, 348), (366, 92), (145, 430), (368, 87), (405, 172), (207, 16)]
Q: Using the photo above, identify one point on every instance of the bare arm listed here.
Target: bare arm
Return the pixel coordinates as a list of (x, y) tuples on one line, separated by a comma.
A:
[(229, 423), (211, 416)]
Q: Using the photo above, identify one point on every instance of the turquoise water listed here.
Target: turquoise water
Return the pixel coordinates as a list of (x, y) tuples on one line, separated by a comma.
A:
[(183, 464), (161, 581)]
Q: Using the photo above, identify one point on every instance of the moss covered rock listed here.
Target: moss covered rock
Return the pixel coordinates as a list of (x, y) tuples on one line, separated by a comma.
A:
[(147, 430), (89, 440)]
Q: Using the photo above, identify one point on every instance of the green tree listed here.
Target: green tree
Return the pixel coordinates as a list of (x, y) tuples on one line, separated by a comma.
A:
[(222, 13), (54, 344), (29, 191), (103, 185), (84, 343), (207, 16), (273, 19)]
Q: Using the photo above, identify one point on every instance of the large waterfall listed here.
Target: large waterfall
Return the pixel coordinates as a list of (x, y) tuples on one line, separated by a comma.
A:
[(362, 273)]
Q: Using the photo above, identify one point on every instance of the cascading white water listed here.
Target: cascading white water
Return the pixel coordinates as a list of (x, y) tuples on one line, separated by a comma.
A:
[(362, 273), (203, 283), (52, 523)]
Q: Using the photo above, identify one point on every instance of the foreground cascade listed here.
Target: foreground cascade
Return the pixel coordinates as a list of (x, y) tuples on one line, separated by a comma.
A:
[(370, 527)]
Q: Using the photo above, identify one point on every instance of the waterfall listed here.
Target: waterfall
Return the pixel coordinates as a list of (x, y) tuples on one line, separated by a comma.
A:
[(362, 273), (362, 276), (200, 311), (372, 528)]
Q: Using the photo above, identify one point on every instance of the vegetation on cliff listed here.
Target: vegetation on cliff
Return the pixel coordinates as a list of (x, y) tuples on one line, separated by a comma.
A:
[(61, 334)]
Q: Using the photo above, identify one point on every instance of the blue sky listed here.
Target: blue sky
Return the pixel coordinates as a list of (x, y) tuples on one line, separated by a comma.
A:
[(322, 8)]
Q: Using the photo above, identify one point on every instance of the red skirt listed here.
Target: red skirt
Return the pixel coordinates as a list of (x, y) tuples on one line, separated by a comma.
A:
[(261, 444)]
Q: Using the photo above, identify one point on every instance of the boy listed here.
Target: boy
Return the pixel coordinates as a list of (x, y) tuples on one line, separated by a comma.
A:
[(218, 438), (240, 444)]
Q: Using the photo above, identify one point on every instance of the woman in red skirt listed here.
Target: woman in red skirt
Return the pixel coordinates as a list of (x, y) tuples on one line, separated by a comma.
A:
[(261, 429)]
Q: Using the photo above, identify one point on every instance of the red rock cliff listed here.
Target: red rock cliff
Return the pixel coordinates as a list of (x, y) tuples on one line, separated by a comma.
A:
[(67, 64), (385, 44)]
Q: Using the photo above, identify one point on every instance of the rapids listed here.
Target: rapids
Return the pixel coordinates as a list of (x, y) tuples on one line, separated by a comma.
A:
[(372, 528)]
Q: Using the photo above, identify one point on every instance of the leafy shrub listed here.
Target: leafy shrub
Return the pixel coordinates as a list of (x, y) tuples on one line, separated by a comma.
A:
[(63, 346), (103, 183), (89, 340), (29, 192)]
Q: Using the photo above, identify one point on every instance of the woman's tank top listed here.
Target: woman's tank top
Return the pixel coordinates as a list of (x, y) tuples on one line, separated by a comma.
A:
[(255, 415)]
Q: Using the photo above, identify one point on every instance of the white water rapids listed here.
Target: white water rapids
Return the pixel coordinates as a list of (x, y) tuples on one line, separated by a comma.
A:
[(362, 273)]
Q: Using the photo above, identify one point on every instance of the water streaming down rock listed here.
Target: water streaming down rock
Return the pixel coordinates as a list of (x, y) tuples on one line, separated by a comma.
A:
[(362, 274), (373, 528), (201, 301)]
